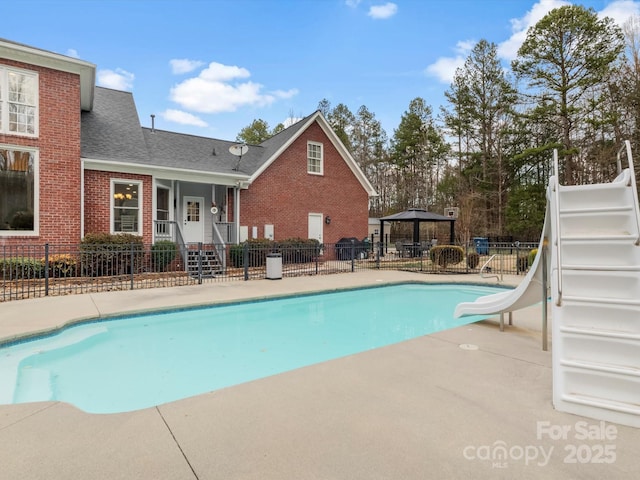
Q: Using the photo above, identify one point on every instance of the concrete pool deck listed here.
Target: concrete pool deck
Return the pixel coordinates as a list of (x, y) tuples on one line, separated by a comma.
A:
[(423, 408)]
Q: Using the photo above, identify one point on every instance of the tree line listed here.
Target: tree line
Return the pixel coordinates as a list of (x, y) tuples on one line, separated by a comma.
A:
[(574, 86)]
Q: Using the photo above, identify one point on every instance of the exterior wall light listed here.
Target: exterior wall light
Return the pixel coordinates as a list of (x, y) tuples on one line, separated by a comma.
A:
[(327, 220)]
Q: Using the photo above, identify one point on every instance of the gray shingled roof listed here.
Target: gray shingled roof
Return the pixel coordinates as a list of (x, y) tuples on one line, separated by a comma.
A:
[(112, 131), (177, 150)]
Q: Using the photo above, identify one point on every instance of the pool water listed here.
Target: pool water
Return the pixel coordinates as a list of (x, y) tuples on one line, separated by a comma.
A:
[(141, 361)]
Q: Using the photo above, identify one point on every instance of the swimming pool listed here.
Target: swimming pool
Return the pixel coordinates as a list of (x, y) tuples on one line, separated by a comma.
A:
[(141, 361)]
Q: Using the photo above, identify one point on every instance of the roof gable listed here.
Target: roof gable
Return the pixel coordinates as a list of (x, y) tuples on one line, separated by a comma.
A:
[(277, 144)]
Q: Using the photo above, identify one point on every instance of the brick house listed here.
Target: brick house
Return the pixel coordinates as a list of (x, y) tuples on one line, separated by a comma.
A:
[(75, 159)]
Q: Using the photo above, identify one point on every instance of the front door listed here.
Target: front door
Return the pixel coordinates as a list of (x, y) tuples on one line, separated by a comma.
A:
[(193, 219), (315, 226)]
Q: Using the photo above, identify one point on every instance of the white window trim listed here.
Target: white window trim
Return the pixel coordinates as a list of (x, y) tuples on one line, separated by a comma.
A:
[(321, 172), (4, 87), (112, 205), (36, 194)]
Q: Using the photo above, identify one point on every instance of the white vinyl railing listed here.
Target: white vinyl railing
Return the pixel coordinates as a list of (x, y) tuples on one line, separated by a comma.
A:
[(632, 183), (555, 189)]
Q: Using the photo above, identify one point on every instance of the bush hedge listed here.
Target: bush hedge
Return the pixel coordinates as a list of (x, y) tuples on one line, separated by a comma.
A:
[(473, 259), (62, 266), (443, 255), (163, 252), (293, 250), (21, 268), (105, 254)]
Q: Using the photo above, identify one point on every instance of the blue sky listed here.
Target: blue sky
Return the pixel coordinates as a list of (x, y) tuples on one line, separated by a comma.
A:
[(211, 67)]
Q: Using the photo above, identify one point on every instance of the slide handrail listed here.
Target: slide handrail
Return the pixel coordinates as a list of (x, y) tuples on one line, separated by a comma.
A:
[(556, 188), (482, 269), (632, 183)]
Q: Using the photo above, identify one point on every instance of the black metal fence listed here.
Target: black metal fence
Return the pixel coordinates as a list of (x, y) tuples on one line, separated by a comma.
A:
[(47, 270)]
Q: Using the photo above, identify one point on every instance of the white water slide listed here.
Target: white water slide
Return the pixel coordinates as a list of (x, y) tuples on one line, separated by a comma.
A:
[(592, 233)]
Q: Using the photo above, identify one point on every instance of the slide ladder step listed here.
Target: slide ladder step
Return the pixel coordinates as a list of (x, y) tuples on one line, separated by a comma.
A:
[(603, 268), (601, 300), (594, 210), (623, 407), (599, 237), (597, 332), (602, 367)]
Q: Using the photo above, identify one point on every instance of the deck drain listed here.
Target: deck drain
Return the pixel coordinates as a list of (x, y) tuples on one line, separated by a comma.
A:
[(468, 346)]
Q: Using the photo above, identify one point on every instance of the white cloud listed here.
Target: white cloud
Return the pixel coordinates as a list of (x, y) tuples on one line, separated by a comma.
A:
[(620, 11), (382, 12), (444, 68), (217, 89), (217, 72), (118, 80), (183, 118), (184, 65), (290, 121), (72, 52), (352, 3)]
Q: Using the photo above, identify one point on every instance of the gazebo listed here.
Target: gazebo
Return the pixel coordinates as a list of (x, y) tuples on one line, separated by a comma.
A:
[(417, 216)]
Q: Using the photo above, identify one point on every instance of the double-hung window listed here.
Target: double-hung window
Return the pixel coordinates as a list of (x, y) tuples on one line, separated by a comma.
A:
[(18, 102), (126, 216), (314, 158), (18, 190)]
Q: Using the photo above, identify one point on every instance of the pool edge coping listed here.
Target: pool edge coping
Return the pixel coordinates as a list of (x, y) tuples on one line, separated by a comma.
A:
[(100, 317)]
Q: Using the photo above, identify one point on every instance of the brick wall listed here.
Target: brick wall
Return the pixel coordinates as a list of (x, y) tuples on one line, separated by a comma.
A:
[(285, 194), (58, 143), (97, 203)]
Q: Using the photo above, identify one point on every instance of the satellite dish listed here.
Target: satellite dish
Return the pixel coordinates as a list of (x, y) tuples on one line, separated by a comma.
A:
[(238, 151)]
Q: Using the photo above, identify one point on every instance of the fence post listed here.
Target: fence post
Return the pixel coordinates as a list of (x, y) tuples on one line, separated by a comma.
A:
[(353, 256), (518, 258), (317, 254), (245, 260), (131, 265), (199, 263), (378, 250), (46, 269), (466, 256)]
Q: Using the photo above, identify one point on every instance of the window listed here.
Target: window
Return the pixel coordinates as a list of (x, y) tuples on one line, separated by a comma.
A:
[(314, 158), (162, 210), (18, 195), (127, 209), (18, 101)]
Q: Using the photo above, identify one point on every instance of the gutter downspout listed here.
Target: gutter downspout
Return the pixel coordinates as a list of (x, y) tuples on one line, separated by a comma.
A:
[(81, 198)]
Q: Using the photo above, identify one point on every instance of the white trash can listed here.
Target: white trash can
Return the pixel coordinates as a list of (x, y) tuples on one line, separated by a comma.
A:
[(274, 266)]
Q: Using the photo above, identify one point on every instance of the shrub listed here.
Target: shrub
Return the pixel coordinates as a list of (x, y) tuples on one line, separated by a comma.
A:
[(62, 265), (473, 259), (162, 254), (105, 254), (298, 250), (443, 255), (20, 268), (258, 249), (523, 264), (293, 250)]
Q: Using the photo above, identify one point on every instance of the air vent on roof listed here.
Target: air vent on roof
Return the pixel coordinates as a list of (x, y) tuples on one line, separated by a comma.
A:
[(153, 123)]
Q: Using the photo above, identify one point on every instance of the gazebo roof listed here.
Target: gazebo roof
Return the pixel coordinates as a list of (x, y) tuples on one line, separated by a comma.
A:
[(413, 214)]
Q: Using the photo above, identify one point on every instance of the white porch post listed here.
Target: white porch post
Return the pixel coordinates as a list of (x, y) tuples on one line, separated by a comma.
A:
[(236, 206)]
